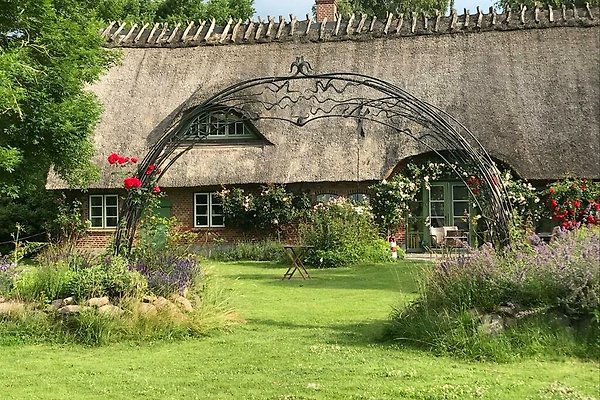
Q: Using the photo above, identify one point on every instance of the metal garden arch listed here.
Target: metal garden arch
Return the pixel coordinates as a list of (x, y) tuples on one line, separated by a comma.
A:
[(332, 95)]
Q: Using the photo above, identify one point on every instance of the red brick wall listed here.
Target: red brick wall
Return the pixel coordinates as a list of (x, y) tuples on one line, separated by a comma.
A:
[(326, 9)]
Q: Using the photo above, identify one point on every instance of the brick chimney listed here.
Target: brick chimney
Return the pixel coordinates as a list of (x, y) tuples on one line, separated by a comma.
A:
[(326, 9)]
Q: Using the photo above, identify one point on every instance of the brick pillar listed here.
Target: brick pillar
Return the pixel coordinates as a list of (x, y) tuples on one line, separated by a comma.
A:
[(326, 9)]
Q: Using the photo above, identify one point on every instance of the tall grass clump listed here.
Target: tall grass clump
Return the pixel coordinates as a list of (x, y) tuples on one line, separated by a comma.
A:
[(531, 299), (342, 234)]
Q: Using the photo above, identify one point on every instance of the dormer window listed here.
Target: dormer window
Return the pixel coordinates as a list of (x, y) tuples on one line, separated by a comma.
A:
[(222, 126)]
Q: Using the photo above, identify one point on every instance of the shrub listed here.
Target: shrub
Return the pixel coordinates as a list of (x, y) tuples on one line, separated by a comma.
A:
[(342, 234), (43, 283), (548, 283)]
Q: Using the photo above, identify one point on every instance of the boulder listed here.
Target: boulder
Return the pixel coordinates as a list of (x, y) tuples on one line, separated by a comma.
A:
[(68, 301), (165, 306), (56, 304), (147, 309), (11, 308), (492, 324), (109, 309), (98, 301), (182, 302), (71, 309), (148, 299)]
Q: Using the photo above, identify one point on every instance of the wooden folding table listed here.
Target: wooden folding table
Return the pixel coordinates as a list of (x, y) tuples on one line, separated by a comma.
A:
[(295, 253)]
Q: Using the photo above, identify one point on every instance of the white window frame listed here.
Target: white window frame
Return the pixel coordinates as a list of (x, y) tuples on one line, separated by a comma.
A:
[(104, 216), (209, 214)]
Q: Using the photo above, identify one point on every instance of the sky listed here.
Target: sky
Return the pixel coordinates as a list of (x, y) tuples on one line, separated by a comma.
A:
[(302, 7)]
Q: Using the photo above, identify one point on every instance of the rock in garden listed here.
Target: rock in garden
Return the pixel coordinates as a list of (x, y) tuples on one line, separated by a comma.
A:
[(69, 310), (182, 302), (11, 308), (109, 309), (147, 309), (148, 299), (492, 324), (98, 301), (165, 306), (56, 304), (68, 301)]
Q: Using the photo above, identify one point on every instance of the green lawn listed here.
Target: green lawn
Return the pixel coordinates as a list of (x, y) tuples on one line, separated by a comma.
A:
[(312, 339)]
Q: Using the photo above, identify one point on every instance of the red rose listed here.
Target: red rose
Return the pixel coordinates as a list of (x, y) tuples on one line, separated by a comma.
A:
[(150, 169), (597, 206), (552, 190), (113, 158), (554, 203), (576, 203), (123, 160), (156, 189), (591, 219), (132, 183), (133, 160)]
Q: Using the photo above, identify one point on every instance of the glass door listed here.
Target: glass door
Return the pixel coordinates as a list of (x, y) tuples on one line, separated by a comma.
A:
[(449, 206)]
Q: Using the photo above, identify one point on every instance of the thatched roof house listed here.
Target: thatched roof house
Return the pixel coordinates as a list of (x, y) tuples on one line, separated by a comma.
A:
[(526, 84)]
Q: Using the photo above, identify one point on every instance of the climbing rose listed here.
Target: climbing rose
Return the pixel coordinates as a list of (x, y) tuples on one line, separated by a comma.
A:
[(123, 160), (133, 160), (156, 189), (554, 203), (113, 158), (150, 169), (132, 183)]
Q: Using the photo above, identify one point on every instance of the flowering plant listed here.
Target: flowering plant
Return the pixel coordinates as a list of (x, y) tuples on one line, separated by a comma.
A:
[(573, 202), (143, 191)]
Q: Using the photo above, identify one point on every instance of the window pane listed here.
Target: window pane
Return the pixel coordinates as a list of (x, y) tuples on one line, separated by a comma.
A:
[(215, 198), (111, 222), (96, 222), (202, 198), (218, 220), (460, 193), (359, 198), (111, 201), (437, 209), (202, 210), (217, 209), (437, 222), (461, 208), (201, 220), (437, 193), (96, 201), (96, 212), (112, 211)]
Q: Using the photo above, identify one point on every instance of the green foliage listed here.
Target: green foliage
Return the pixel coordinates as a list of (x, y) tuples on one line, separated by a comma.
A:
[(381, 8), (172, 10), (44, 283), (390, 201), (530, 4), (249, 251), (49, 50), (573, 202), (271, 210), (540, 286), (342, 234)]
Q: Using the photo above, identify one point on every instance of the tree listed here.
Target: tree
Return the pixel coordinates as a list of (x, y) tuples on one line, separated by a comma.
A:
[(381, 8), (530, 4), (171, 10), (49, 50)]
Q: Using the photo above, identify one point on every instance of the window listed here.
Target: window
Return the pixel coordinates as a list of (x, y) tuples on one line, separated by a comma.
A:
[(220, 126), (358, 198), (104, 210), (208, 211), (326, 197)]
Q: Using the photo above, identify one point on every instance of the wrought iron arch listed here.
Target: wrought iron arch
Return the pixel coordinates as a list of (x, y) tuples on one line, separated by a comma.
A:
[(333, 95)]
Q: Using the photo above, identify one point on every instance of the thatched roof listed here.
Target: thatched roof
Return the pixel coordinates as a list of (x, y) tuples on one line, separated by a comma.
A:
[(530, 95)]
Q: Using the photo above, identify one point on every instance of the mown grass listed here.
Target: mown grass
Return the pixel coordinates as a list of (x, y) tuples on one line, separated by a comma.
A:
[(314, 339)]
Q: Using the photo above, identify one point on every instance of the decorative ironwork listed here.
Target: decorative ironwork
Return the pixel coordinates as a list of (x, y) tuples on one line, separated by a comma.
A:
[(303, 97)]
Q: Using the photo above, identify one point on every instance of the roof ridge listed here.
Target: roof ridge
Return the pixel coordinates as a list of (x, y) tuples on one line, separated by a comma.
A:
[(203, 33)]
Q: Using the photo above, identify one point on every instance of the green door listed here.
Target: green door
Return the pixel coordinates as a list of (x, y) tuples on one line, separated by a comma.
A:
[(448, 204)]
